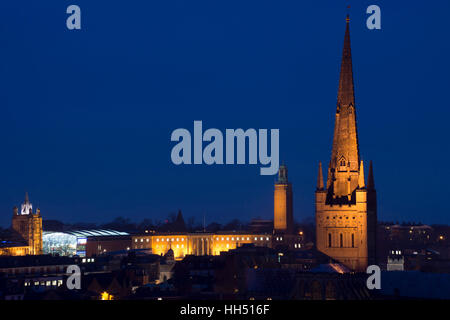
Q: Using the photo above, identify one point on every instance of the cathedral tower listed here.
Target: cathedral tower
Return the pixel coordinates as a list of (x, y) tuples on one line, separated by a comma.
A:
[(29, 226), (346, 214), (283, 219)]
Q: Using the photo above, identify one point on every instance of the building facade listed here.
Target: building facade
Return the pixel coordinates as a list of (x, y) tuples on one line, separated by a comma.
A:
[(28, 226), (283, 234), (346, 213)]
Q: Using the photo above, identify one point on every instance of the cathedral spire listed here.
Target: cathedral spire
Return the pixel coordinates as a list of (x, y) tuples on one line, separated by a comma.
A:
[(320, 178), (346, 94), (27, 200), (344, 163), (370, 180)]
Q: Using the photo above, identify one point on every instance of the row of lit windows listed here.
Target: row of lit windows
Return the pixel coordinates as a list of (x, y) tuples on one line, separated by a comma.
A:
[(242, 239), (218, 239), (173, 239), (142, 240), (48, 283), (297, 245), (279, 238), (164, 246)]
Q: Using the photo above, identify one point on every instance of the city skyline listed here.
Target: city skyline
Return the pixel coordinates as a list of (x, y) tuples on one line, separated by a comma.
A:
[(90, 139)]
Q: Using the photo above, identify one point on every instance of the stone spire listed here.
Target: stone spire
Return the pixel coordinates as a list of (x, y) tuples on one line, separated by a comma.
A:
[(27, 200), (370, 180), (361, 182), (346, 94), (344, 162), (320, 178)]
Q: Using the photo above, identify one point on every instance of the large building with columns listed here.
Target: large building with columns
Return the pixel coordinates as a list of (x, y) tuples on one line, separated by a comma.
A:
[(203, 243)]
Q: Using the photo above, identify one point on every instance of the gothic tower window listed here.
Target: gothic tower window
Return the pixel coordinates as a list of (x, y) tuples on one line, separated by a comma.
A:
[(353, 240), (329, 240), (341, 240)]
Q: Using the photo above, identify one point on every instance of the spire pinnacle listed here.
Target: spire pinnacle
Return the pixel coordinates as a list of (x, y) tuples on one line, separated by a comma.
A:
[(346, 94), (370, 180), (345, 160), (320, 178), (283, 174), (27, 200), (361, 180)]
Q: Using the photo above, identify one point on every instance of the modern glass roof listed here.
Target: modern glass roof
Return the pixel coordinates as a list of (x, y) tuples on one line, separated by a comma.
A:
[(93, 233)]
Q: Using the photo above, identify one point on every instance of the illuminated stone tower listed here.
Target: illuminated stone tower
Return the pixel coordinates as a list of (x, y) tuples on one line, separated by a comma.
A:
[(346, 214), (283, 219), (29, 226)]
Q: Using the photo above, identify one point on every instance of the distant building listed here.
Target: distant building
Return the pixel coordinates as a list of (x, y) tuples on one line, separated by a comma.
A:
[(27, 226), (395, 261), (85, 243), (263, 233)]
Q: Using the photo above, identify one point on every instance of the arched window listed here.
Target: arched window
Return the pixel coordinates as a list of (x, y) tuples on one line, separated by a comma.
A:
[(341, 240), (353, 240), (329, 240)]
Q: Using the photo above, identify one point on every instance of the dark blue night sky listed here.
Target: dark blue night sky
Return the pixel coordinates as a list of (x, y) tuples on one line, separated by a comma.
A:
[(86, 116)]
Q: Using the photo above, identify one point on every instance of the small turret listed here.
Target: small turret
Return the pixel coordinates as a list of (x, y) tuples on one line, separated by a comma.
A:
[(370, 180), (320, 178), (361, 180)]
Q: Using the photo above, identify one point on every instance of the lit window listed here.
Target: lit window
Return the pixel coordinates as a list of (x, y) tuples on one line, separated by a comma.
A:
[(135, 240), (262, 238), (267, 238), (248, 238), (148, 240), (157, 240), (217, 239), (228, 245), (142, 240), (222, 239), (237, 238), (177, 239), (178, 246), (172, 239), (182, 245), (232, 239), (256, 238), (295, 245)]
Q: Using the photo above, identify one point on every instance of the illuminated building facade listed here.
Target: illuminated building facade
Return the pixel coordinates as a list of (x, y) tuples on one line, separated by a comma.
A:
[(346, 213), (198, 244), (28, 226), (203, 243)]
